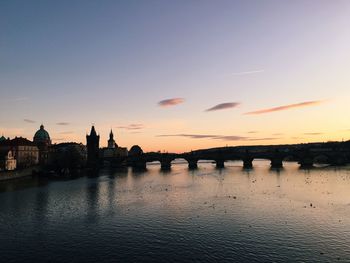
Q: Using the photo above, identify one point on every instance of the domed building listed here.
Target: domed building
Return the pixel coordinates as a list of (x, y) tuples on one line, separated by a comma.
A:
[(135, 151), (43, 141), (42, 137)]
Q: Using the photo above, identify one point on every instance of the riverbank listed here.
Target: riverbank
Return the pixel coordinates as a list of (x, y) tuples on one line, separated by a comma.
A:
[(10, 175)]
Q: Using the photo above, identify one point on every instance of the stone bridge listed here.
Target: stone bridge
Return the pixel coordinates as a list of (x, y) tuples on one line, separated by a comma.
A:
[(333, 153)]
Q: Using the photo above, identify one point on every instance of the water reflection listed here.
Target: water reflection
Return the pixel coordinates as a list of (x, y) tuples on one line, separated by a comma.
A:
[(202, 215), (92, 200), (41, 211)]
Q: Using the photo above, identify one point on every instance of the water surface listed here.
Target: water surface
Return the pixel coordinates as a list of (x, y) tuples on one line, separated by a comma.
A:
[(206, 215)]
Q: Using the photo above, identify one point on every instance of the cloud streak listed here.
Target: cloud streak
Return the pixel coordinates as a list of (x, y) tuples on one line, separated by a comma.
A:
[(171, 102), (66, 132), (29, 121), (224, 106), (286, 107), (62, 123), (217, 137), (14, 100), (192, 136), (20, 99), (313, 133), (133, 126), (247, 72)]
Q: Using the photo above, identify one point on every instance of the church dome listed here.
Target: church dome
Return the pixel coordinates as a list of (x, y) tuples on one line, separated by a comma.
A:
[(135, 151), (42, 136), (2, 138)]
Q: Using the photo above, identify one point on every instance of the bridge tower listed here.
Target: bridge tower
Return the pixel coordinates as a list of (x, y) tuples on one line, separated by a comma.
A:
[(93, 148)]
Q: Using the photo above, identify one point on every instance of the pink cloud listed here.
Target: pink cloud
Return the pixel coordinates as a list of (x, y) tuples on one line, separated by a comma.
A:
[(171, 102), (217, 137), (29, 121), (286, 107), (133, 126), (223, 106)]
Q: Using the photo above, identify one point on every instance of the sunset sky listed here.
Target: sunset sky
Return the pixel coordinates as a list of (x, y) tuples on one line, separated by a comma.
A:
[(176, 75)]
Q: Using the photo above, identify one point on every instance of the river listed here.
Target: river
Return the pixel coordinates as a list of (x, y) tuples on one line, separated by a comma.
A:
[(205, 215)]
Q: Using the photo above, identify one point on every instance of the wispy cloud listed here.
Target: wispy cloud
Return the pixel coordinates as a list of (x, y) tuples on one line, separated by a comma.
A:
[(223, 106), (13, 100), (231, 138), (66, 132), (133, 126), (217, 137), (252, 132), (286, 107), (264, 139), (62, 123), (247, 72), (29, 121), (193, 136), (20, 99), (171, 102), (277, 134), (313, 133)]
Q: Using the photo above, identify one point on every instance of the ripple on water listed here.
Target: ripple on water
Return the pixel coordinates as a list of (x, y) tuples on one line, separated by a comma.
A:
[(206, 215)]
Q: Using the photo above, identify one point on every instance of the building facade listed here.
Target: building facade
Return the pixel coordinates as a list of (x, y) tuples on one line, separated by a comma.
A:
[(113, 151), (24, 151), (68, 156), (7, 161)]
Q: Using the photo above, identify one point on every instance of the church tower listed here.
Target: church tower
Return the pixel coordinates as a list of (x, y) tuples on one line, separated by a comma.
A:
[(93, 148), (111, 142)]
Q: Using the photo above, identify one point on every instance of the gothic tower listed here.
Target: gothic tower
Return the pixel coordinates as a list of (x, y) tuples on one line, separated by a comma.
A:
[(93, 149), (111, 142)]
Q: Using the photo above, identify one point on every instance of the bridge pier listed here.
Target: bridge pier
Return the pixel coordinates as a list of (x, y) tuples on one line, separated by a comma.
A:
[(165, 165), (248, 163), (306, 163), (192, 164), (277, 163), (220, 164), (139, 165)]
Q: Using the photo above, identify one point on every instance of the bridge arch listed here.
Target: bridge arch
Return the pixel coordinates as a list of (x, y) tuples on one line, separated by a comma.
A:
[(179, 160), (322, 159)]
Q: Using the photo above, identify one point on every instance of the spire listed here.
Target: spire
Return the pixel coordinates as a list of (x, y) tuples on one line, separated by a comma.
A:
[(41, 127), (93, 131), (111, 142)]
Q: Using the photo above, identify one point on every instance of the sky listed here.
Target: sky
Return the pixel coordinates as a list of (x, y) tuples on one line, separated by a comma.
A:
[(176, 75)]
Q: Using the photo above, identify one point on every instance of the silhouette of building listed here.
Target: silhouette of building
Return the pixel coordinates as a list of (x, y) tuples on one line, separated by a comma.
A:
[(42, 137), (68, 156), (113, 150), (135, 151), (42, 140), (111, 142), (93, 142), (135, 159), (24, 151), (7, 160)]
